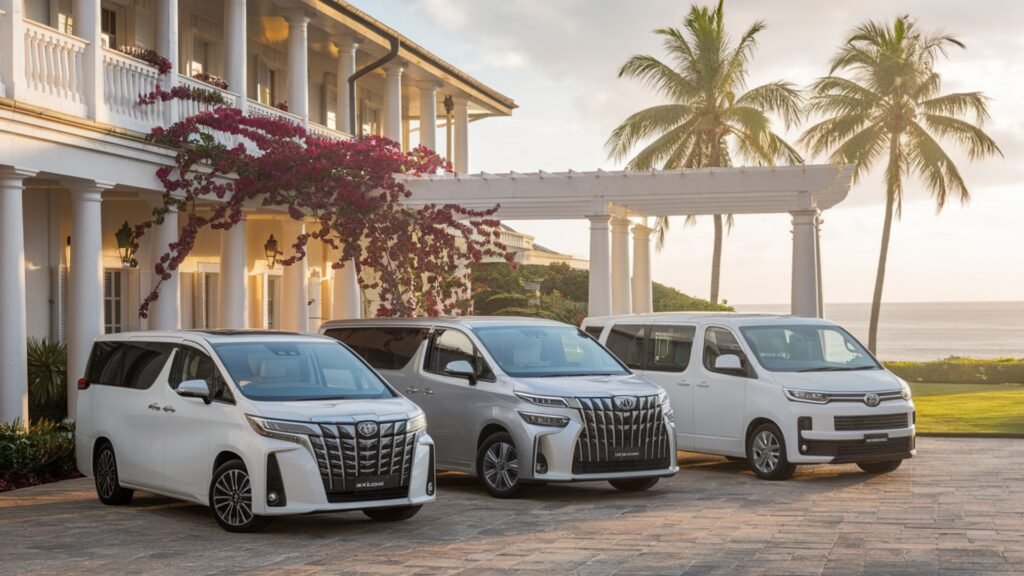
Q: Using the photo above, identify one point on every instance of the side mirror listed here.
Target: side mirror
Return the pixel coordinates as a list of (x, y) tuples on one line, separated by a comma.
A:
[(729, 363), (194, 389), (461, 369)]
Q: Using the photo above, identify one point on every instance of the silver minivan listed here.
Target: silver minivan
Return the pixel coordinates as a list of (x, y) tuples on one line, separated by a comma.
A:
[(522, 401)]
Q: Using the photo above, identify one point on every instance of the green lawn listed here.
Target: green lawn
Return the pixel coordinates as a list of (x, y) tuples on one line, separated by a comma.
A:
[(969, 408)]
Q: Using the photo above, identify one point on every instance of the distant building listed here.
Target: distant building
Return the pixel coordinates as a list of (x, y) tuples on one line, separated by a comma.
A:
[(529, 252)]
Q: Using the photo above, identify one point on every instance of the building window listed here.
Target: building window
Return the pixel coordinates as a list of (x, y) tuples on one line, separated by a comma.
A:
[(108, 27), (113, 301), (200, 50)]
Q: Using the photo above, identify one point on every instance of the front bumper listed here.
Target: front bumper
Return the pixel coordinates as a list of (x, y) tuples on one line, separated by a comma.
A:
[(850, 433)]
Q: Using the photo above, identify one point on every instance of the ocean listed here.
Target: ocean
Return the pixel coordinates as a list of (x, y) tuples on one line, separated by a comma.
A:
[(930, 330)]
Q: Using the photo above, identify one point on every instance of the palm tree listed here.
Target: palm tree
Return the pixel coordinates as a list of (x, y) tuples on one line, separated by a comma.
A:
[(707, 114), (889, 108)]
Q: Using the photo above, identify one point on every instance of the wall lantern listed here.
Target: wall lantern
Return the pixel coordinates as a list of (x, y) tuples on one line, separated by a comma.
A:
[(125, 246), (270, 248)]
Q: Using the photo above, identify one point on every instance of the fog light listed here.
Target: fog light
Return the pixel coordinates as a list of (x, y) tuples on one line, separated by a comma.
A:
[(430, 488), (542, 464), (803, 447), (272, 497)]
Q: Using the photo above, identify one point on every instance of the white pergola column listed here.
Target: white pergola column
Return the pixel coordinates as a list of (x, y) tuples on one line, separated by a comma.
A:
[(393, 102), (294, 287), (428, 113), (461, 153), (622, 300), (86, 23), (85, 287), (12, 50), (298, 62), (233, 287), (165, 311), (817, 256), (599, 295), (805, 264), (347, 48), (13, 347), (643, 299), (345, 300), (235, 49), (167, 46)]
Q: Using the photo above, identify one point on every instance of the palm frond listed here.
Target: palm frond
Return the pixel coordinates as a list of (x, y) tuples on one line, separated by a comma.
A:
[(641, 125), (959, 104), (659, 76), (928, 158), (781, 98), (977, 143)]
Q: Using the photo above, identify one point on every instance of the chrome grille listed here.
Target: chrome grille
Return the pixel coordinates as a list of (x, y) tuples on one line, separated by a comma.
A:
[(344, 456), (871, 422), (616, 439)]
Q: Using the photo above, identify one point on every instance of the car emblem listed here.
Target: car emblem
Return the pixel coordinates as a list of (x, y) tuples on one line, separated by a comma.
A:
[(871, 399), (625, 402), (367, 428)]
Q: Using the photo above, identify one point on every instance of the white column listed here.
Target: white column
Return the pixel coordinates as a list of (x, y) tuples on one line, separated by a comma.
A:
[(345, 301), (643, 299), (12, 51), (347, 48), (167, 46), (393, 102), (13, 349), (294, 289), (85, 288), (235, 48), (86, 18), (600, 294), (622, 300), (817, 256), (461, 113), (428, 113), (165, 311), (233, 286), (298, 62), (805, 264)]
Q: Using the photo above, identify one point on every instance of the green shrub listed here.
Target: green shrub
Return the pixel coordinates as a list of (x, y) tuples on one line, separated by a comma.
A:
[(47, 379), (958, 370), (44, 453)]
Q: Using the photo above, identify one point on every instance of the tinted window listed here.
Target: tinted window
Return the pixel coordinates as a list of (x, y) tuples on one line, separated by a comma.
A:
[(382, 348), (627, 342), (142, 362), (719, 342), (194, 364), (451, 345), (546, 351), (105, 363), (594, 331), (670, 347)]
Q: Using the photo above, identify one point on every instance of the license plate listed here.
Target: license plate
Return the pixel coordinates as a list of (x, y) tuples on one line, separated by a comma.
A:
[(626, 453), (367, 483), (876, 438)]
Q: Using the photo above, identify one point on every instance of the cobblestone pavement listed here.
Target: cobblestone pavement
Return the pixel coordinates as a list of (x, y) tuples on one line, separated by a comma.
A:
[(956, 508)]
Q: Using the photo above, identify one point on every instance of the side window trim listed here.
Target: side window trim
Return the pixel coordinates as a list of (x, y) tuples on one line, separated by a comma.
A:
[(428, 356), (179, 356), (744, 357)]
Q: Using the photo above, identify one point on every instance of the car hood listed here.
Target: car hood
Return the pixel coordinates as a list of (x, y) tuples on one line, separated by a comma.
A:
[(855, 381), (339, 410), (588, 386)]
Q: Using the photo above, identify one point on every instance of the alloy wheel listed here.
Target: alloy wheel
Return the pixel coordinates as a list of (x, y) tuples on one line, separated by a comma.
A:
[(766, 449), (232, 498), (501, 466), (106, 473)]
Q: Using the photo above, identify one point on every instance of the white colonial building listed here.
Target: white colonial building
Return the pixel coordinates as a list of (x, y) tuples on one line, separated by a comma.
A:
[(74, 165)]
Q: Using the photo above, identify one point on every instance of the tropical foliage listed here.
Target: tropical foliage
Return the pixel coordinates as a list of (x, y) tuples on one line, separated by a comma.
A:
[(708, 116), (47, 378), (882, 103), (551, 306), (43, 453)]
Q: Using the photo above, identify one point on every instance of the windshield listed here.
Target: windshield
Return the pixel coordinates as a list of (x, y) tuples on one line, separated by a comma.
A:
[(290, 371), (547, 351), (807, 348)]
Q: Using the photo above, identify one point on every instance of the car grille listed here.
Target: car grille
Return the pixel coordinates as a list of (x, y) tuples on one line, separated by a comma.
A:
[(345, 458), (872, 422), (851, 451), (617, 440)]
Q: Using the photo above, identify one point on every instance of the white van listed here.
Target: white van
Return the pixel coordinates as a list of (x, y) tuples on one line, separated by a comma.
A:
[(775, 390), (252, 424)]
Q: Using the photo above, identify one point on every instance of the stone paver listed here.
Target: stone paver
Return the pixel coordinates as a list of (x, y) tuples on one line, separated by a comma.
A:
[(957, 508)]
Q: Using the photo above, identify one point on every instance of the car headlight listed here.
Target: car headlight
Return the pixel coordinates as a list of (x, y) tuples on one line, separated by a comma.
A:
[(808, 396), (282, 429), (666, 405), (416, 423), (545, 419), (906, 392), (550, 401)]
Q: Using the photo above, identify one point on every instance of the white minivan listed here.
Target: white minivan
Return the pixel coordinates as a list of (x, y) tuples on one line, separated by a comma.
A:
[(776, 391), (252, 424)]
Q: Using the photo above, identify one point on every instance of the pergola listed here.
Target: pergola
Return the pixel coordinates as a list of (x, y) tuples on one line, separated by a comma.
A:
[(610, 199)]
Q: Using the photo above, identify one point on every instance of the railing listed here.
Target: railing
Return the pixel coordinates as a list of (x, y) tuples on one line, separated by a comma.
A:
[(124, 80), (54, 69), (256, 109), (322, 131), (187, 108)]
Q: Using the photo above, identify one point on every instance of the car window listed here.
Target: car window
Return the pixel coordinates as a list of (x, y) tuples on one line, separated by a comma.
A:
[(594, 331), (194, 364), (670, 348), (381, 347), (719, 342), (627, 341), (547, 351), (105, 363), (807, 348), (142, 362), (449, 346)]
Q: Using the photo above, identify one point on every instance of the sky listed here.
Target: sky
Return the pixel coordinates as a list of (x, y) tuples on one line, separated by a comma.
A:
[(559, 60)]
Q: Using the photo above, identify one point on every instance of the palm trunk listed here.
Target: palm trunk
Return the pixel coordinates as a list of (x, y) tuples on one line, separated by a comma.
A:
[(876, 301), (716, 259)]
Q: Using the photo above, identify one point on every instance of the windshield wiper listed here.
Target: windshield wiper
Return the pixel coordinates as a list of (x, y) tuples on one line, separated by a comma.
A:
[(837, 368)]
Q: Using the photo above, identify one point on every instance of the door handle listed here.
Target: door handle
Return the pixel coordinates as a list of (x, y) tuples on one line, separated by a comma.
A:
[(428, 391), (411, 390), (703, 385), (154, 406), (683, 383), (169, 409)]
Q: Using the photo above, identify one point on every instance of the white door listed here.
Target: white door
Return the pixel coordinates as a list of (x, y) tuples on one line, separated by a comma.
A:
[(187, 460), (719, 396), (668, 353)]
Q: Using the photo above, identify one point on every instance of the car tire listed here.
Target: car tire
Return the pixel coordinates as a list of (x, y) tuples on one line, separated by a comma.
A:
[(231, 499), (880, 467), (104, 472), (766, 453), (391, 514), (497, 465), (634, 484)]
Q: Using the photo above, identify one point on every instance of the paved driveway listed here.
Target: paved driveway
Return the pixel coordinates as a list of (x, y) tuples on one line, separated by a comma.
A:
[(957, 508)]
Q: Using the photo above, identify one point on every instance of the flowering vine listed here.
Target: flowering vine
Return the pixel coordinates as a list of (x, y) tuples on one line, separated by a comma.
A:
[(345, 191), (149, 56)]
